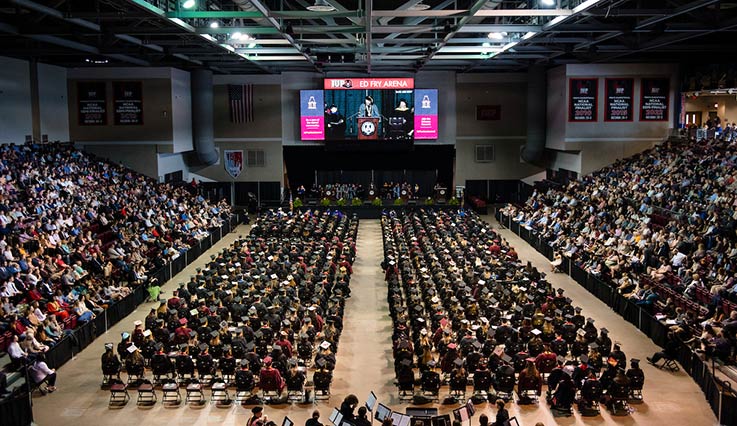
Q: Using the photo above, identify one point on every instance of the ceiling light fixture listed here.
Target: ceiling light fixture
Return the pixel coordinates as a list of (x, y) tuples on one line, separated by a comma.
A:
[(214, 25), (419, 6), (497, 35), (548, 3), (236, 35), (321, 6), (189, 4)]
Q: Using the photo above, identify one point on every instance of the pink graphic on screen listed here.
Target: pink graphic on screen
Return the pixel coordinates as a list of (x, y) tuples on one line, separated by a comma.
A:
[(312, 115)]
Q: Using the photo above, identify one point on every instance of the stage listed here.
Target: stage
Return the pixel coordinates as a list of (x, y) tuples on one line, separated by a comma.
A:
[(369, 211)]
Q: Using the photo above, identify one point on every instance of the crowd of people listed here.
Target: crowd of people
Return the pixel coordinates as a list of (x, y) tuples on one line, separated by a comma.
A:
[(462, 302), (660, 227), (349, 191), (261, 312), (77, 234)]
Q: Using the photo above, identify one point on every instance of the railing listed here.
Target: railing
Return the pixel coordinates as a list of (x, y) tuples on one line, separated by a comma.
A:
[(17, 411), (722, 400)]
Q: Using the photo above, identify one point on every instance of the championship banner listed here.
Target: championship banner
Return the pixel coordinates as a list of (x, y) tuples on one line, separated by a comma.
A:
[(312, 115), (654, 98), (128, 102), (368, 83), (91, 103), (583, 99), (426, 114), (619, 94), (233, 160)]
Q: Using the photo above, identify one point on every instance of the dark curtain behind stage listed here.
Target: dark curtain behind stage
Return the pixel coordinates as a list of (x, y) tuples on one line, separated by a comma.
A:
[(418, 165)]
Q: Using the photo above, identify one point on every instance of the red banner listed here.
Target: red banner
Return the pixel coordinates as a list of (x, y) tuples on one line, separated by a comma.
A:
[(369, 83)]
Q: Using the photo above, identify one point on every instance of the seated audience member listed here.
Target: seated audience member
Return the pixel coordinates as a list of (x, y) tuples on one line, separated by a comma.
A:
[(502, 415), (40, 373)]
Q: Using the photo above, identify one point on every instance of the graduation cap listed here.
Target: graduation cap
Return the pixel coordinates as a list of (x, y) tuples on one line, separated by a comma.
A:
[(536, 332), (594, 346), (193, 312), (172, 311), (132, 348), (518, 308), (584, 359), (203, 347), (604, 331), (182, 321), (192, 333), (581, 332), (258, 334), (237, 299), (568, 316), (321, 362), (477, 345), (250, 346), (108, 346), (147, 333), (325, 344), (558, 312), (458, 362), (560, 291), (183, 346), (405, 363), (577, 309), (203, 320), (431, 363), (635, 362), (214, 334), (171, 336), (506, 358), (548, 319), (561, 359), (591, 320), (158, 347), (244, 363)]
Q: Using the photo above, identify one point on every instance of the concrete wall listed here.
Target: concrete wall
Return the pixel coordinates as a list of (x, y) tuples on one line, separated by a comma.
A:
[(53, 104), (271, 172), (157, 115), (600, 143), (16, 120), (141, 158), (181, 111), (507, 135)]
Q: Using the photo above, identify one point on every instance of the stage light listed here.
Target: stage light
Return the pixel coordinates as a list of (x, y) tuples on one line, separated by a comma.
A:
[(236, 36), (214, 25), (547, 3), (496, 36), (189, 4)]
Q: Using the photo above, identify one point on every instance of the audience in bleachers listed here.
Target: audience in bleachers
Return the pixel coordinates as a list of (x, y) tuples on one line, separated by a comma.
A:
[(659, 226), (461, 299), (77, 232), (272, 302)]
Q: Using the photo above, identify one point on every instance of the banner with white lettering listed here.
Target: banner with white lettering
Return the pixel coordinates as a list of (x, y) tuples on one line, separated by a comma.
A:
[(618, 100), (128, 102), (583, 99), (654, 99), (368, 83), (91, 103)]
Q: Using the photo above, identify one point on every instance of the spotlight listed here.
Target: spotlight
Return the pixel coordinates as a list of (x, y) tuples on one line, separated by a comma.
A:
[(321, 6), (236, 36), (214, 25), (547, 3), (189, 4), (496, 35)]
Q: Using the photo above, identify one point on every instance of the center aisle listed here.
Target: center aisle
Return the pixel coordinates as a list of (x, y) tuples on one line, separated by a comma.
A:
[(364, 361)]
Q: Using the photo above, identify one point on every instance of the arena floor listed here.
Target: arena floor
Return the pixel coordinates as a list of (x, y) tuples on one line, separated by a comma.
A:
[(364, 363)]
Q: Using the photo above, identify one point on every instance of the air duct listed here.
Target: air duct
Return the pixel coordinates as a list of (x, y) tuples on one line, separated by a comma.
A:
[(533, 150), (202, 121)]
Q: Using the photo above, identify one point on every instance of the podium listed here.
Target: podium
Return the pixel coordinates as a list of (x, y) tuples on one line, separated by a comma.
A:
[(441, 195), (368, 128), (371, 194)]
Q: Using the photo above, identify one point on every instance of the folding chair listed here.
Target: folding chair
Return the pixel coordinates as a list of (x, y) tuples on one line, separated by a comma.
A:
[(195, 396), (322, 381), (220, 395), (146, 394), (172, 396), (119, 396), (669, 364)]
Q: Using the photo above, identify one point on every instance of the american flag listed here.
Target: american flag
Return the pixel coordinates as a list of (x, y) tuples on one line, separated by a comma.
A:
[(240, 100)]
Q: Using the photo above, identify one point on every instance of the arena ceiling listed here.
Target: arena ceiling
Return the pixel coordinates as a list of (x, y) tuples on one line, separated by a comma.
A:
[(368, 36)]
